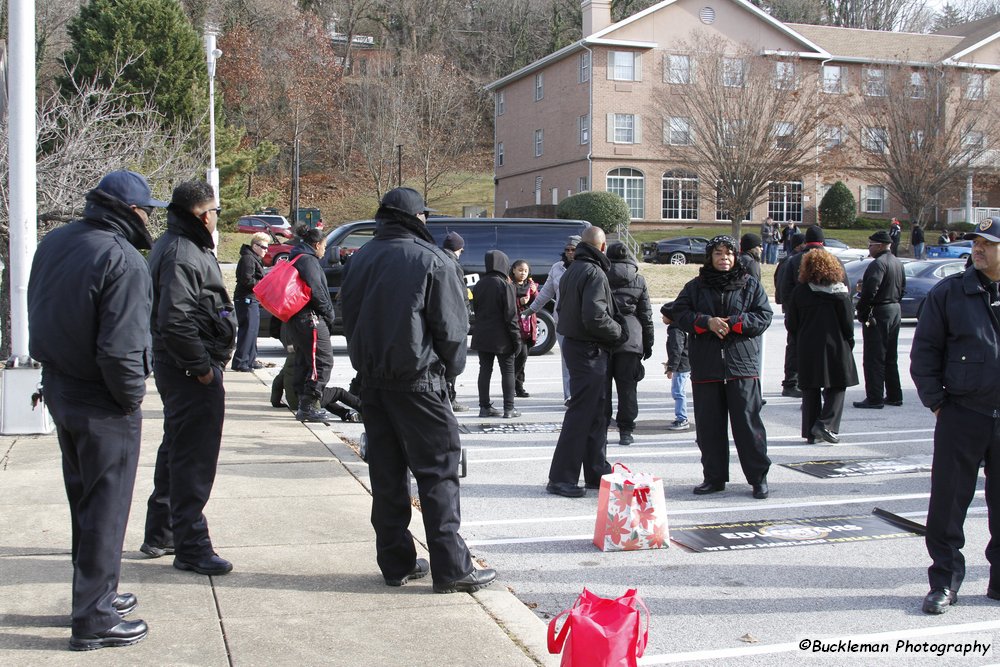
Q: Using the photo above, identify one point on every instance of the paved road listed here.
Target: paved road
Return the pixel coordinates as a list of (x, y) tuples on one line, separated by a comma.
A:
[(735, 607)]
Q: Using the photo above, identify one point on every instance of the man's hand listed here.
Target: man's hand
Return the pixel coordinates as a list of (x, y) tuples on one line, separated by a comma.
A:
[(719, 326), (207, 377)]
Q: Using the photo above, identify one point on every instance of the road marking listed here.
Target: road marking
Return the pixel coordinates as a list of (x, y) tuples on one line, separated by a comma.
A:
[(790, 647)]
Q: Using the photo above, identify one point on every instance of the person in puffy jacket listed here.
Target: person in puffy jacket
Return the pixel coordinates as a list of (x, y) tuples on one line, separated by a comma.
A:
[(726, 311), (631, 298), (249, 271), (496, 334), (194, 332)]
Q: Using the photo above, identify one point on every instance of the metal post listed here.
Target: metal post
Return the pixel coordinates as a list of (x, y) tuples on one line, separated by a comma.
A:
[(212, 54), (399, 165)]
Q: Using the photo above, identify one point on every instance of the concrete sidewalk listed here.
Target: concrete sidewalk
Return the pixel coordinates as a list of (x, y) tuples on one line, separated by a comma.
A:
[(291, 510)]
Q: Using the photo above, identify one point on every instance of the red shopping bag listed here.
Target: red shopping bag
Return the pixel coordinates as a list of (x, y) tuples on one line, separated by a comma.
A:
[(282, 291), (603, 632), (631, 512)]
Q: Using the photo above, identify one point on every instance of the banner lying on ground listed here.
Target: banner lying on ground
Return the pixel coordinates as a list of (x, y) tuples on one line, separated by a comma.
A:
[(540, 427), (736, 536), (833, 468)]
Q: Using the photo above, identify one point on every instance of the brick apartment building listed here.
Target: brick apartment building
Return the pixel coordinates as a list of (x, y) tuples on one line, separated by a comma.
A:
[(579, 119)]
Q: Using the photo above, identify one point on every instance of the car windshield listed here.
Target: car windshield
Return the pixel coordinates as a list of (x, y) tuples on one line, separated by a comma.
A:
[(912, 269)]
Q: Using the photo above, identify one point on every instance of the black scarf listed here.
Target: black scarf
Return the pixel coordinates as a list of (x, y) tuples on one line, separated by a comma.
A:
[(734, 279)]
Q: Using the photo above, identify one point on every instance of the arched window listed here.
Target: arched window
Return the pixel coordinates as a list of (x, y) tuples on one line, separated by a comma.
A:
[(680, 195), (629, 184)]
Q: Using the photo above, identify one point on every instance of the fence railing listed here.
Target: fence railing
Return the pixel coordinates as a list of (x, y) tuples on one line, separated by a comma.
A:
[(978, 214)]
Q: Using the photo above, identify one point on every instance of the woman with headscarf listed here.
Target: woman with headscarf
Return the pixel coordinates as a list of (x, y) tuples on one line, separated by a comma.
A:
[(725, 311), (820, 314)]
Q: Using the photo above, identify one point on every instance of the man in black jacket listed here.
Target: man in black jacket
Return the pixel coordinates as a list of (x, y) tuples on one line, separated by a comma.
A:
[(590, 332), (953, 362), (194, 332), (454, 246), (406, 332), (89, 300), (878, 311)]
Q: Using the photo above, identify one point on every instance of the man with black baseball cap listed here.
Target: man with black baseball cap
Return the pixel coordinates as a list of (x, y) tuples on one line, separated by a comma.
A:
[(953, 363), (89, 304), (878, 311)]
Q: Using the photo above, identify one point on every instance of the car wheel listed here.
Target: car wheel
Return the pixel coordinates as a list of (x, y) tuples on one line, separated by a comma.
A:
[(281, 257), (964, 256), (546, 334), (678, 258)]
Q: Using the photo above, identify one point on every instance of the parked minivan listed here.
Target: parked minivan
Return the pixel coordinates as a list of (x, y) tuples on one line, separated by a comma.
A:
[(540, 242)]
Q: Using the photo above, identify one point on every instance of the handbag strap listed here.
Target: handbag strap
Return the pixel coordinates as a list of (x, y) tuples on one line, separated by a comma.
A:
[(631, 597), (556, 643)]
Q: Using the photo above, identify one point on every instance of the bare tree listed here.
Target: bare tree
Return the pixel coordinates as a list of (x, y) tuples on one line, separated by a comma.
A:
[(924, 129), (742, 122), (81, 138)]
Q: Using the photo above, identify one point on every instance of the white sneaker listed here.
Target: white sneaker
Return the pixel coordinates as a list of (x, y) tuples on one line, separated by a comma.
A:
[(679, 425)]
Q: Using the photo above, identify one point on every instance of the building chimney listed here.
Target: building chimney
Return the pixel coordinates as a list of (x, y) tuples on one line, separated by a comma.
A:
[(596, 16)]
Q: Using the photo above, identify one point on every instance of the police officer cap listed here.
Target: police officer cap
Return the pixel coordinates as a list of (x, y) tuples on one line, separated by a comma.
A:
[(881, 236), (131, 188), (987, 229), (406, 200)]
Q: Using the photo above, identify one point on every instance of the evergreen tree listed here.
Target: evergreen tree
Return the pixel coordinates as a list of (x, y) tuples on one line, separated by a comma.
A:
[(947, 17), (166, 60), (837, 208)]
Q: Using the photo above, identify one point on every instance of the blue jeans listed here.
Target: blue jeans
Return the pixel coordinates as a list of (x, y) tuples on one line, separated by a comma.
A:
[(918, 250), (678, 387)]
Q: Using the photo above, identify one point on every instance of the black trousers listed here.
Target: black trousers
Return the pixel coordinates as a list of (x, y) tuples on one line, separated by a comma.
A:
[(880, 365), (625, 369), (248, 318), (416, 431), (738, 402), (962, 439), (520, 361), (506, 363), (313, 355), (100, 453), (791, 362), (825, 406), (186, 461), (583, 440)]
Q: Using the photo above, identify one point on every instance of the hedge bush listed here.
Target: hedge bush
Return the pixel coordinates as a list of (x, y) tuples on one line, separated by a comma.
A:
[(601, 209), (838, 208)]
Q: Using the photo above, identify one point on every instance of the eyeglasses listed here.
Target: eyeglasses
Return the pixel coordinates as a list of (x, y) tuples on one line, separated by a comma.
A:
[(217, 209), (260, 245)]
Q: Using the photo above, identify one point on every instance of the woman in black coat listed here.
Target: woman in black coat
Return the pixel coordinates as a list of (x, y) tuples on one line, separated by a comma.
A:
[(249, 271), (820, 314), (311, 327), (495, 333)]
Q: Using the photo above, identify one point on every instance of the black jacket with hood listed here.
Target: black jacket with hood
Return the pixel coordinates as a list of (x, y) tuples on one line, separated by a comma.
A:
[(312, 274), (89, 301), (405, 314), (494, 301), (193, 323), (586, 305), (631, 297), (249, 271)]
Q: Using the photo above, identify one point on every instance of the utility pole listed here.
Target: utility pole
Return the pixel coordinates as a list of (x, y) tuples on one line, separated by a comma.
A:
[(399, 165)]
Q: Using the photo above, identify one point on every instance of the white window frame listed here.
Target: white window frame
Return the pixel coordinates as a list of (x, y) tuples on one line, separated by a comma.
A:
[(585, 67), (583, 184), (785, 209), (624, 128), (918, 85), (873, 82), (678, 131), (539, 143), (734, 72), (834, 85), (875, 139), (917, 139), (624, 66), (730, 129), (631, 187), (873, 194), (682, 189), (499, 153), (583, 125), (973, 139), (975, 86), (678, 69), (785, 76), (833, 136), (501, 102), (539, 86)]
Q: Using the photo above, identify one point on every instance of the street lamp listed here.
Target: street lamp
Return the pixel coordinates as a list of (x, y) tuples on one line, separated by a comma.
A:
[(212, 54)]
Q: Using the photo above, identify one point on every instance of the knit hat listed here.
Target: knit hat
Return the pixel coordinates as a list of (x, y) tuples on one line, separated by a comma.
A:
[(749, 241), (881, 236), (721, 240), (453, 242), (574, 240), (668, 309), (798, 238), (617, 251), (815, 235)]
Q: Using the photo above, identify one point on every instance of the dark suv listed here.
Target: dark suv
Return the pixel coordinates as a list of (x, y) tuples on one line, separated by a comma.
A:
[(540, 242)]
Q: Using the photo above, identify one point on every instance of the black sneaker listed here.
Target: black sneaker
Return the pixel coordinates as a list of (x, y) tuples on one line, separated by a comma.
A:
[(490, 411), (420, 569), (791, 392), (157, 550)]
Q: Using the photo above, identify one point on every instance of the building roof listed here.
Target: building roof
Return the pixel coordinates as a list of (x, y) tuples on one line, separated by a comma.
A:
[(879, 45)]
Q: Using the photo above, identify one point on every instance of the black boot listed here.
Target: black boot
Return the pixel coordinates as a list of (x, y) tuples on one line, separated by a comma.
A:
[(309, 411)]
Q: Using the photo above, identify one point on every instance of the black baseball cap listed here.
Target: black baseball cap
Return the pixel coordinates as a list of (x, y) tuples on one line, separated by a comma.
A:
[(406, 200), (131, 188), (987, 229)]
